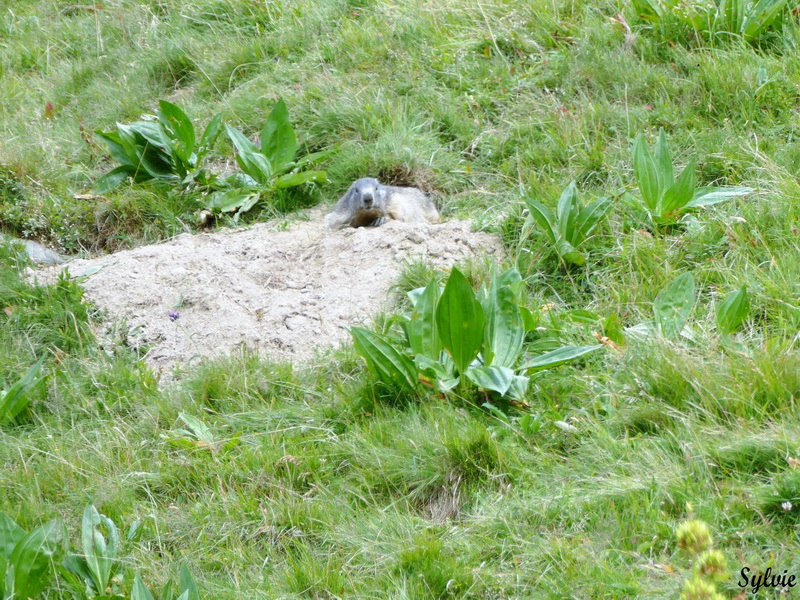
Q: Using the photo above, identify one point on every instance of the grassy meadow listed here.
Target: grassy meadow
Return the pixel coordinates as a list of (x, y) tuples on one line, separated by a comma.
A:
[(313, 481)]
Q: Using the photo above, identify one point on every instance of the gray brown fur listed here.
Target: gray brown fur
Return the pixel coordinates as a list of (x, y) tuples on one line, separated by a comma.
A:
[(368, 203)]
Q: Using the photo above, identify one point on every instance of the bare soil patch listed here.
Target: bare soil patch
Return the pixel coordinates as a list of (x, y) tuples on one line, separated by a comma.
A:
[(285, 291)]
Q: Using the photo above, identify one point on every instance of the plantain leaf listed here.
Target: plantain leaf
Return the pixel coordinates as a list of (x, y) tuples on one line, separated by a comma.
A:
[(278, 141), (391, 366), (646, 171), (113, 179), (544, 217), (139, 590), (663, 161), (459, 321), (762, 16), (588, 219), (557, 357), (497, 379), (100, 554), (504, 330), (421, 328), (210, 135), (249, 158), (31, 563), (673, 305), (294, 179), (567, 212), (10, 535), (188, 585), (706, 196), (179, 128), (14, 400), (733, 311), (680, 194)]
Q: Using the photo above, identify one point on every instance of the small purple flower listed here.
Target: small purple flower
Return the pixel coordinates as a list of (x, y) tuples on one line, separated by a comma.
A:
[(174, 315)]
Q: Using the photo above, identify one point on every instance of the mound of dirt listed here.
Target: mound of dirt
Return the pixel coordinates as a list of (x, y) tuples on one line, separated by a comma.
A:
[(285, 293)]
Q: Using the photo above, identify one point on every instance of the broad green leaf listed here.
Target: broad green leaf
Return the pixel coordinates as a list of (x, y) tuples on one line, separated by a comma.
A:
[(421, 328), (680, 194), (649, 10), (567, 212), (663, 162), (14, 400), (178, 127), (673, 305), (230, 200), (706, 196), (198, 429), (518, 387), (530, 319), (249, 158), (391, 366), (557, 357), (612, 329), (733, 311), (112, 180), (582, 316), (762, 16), (146, 141), (31, 562), (442, 372), (210, 135), (293, 179), (459, 321), (544, 217), (188, 585), (497, 379), (314, 157), (115, 146), (4, 593), (278, 141), (504, 329), (10, 535), (100, 553), (569, 253), (139, 590), (646, 171), (588, 219)]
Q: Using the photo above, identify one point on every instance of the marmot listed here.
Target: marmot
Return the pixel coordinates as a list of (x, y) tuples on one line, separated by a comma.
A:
[(368, 203)]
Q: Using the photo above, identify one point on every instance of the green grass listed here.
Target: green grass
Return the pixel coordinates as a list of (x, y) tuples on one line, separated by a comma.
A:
[(336, 489)]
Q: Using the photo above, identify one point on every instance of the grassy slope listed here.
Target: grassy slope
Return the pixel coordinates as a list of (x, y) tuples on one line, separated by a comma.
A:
[(333, 491)]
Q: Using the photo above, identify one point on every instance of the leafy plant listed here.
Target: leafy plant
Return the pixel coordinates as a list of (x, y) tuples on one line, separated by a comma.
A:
[(570, 225), (96, 566), (671, 309), (14, 400), (165, 149), (664, 197), (197, 436), (187, 588), (271, 166), (27, 559), (750, 20), (733, 311), (453, 336)]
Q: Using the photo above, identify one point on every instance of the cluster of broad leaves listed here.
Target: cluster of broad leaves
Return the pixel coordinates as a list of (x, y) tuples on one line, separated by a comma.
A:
[(673, 306), (570, 225), (721, 18), (666, 198), (30, 562), (163, 149), (166, 149), (16, 398), (455, 335)]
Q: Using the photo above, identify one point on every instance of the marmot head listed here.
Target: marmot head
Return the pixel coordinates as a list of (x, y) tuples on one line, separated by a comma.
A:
[(367, 194)]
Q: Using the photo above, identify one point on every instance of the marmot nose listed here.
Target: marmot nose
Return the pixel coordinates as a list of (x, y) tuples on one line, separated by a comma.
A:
[(367, 200)]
